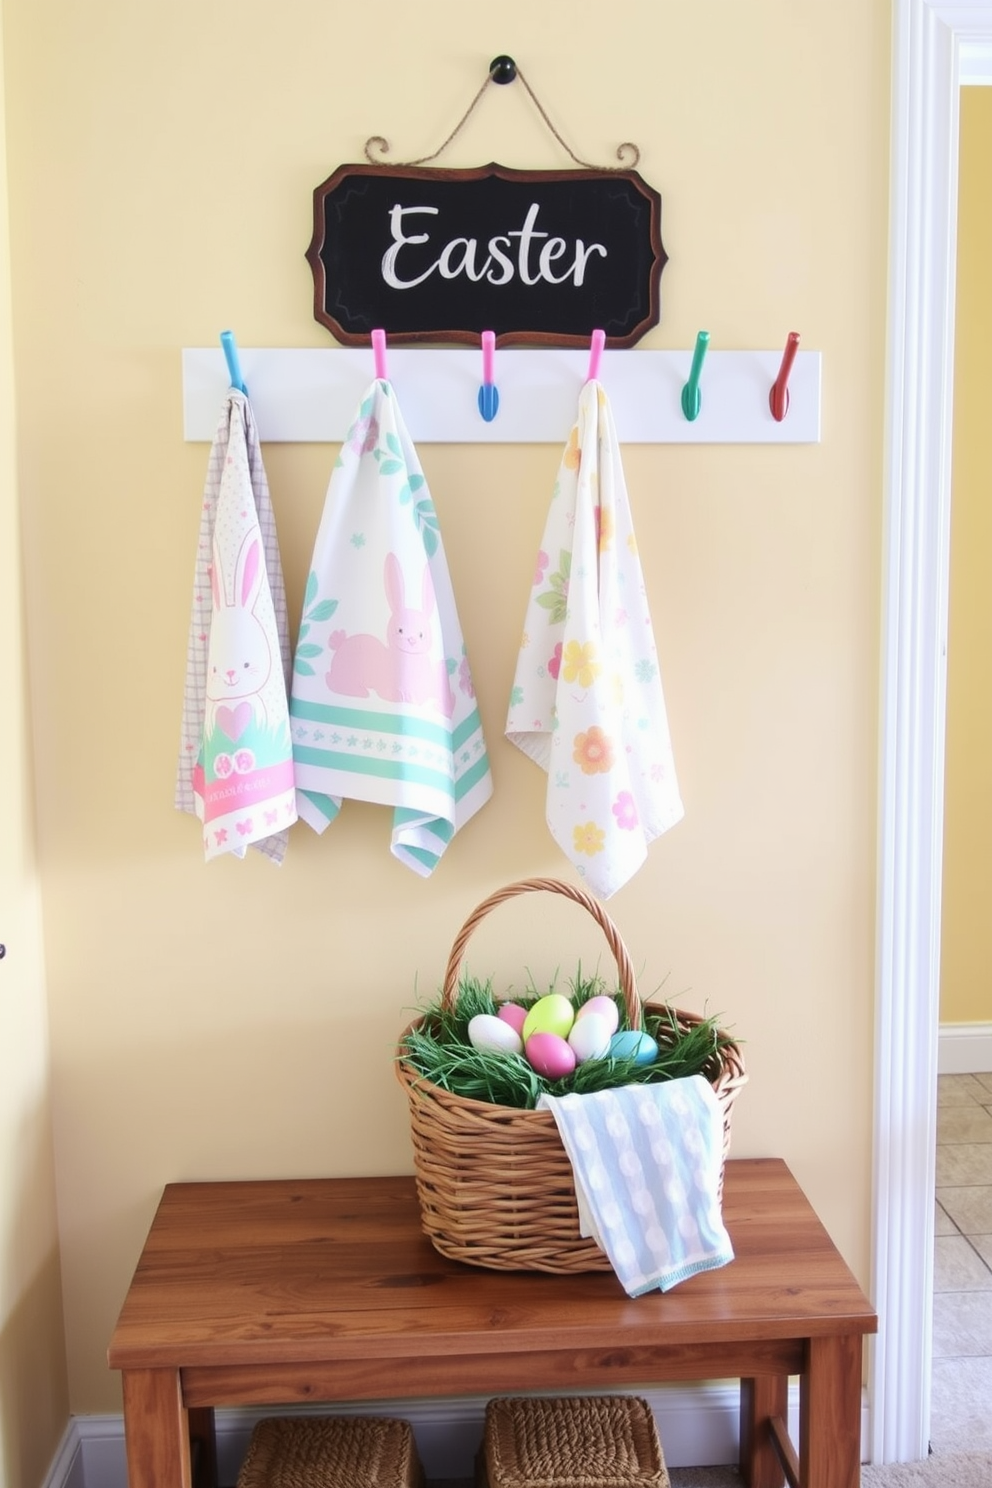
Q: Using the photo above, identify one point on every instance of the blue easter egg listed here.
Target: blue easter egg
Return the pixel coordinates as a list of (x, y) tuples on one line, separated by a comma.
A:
[(640, 1047)]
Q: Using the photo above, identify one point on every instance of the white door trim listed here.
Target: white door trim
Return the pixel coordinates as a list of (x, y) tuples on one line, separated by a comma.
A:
[(936, 46)]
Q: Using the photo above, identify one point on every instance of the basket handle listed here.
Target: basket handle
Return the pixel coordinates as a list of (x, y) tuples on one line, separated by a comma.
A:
[(625, 969)]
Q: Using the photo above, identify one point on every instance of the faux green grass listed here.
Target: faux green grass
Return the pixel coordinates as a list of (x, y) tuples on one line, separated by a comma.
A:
[(440, 1051)]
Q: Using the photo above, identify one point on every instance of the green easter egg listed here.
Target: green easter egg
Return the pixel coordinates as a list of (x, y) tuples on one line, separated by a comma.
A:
[(551, 1014)]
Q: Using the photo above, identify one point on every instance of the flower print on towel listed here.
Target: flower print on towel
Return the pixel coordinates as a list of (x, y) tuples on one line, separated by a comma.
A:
[(586, 703)]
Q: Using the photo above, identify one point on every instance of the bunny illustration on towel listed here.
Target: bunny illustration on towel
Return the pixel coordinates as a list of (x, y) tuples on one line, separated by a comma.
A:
[(245, 773), (401, 670), (240, 656), (235, 768)]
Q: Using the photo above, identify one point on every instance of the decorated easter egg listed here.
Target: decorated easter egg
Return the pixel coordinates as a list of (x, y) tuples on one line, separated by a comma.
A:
[(486, 1031), (601, 1007), (590, 1037), (514, 1014), (550, 1055), (551, 1014), (640, 1047)]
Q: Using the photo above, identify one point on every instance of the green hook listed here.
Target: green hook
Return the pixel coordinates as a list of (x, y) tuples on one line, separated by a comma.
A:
[(691, 401)]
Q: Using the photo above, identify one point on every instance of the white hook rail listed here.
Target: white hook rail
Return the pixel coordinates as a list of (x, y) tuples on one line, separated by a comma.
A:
[(309, 395)]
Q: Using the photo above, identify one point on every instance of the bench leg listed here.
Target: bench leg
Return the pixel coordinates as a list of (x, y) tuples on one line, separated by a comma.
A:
[(203, 1446), (762, 1399), (830, 1413), (156, 1429)]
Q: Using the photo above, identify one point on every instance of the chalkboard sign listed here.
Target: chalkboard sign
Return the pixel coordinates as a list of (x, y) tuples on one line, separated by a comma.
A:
[(539, 257)]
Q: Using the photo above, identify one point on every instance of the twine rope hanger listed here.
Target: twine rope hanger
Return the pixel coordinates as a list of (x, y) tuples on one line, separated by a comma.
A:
[(503, 70)]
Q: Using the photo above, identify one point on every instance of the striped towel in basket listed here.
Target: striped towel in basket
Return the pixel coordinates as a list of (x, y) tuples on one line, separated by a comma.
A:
[(646, 1161)]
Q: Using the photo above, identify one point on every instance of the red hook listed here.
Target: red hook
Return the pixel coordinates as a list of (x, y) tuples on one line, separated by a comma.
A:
[(778, 398)]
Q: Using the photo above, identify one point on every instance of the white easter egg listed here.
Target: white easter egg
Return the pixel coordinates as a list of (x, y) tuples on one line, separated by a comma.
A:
[(486, 1031), (590, 1037), (603, 1007)]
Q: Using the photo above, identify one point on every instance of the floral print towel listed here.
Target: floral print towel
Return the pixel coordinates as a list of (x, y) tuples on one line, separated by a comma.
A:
[(383, 708), (587, 702)]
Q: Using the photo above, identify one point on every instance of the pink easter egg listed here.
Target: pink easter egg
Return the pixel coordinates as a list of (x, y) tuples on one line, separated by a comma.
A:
[(603, 1007), (514, 1014), (550, 1055)]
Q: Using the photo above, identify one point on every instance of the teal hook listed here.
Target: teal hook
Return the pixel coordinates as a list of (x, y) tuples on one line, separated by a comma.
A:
[(233, 364), (691, 400)]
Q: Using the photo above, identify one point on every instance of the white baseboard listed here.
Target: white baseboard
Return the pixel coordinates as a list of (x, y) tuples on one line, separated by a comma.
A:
[(964, 1048), (67, 1470), (698, 1426)]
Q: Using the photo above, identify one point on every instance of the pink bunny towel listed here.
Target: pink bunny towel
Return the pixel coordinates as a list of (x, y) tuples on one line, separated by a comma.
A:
[(587, 703), (235, 761), (382, 705)]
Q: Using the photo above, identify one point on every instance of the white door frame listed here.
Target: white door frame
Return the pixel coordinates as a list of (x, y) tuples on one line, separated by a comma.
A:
[(936, 47)]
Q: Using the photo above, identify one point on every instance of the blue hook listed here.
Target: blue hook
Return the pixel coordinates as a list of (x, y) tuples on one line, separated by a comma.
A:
[(691, 400), (233, 364), (488, 392)]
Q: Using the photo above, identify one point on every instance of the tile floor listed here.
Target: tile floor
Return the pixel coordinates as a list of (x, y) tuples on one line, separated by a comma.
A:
[(961, 1412)]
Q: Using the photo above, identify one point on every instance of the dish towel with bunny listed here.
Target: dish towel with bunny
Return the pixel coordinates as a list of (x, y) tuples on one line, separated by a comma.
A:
[(587, 703), (235, 758), (382, 704), (647, 1162)]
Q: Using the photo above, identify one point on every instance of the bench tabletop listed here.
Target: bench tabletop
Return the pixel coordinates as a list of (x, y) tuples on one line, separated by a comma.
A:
[(284, 1270)]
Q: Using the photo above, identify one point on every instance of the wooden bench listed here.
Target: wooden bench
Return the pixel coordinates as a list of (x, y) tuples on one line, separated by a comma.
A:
[(288, 1292)]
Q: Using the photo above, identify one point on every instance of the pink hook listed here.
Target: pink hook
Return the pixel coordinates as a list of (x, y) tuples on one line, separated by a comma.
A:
[(595, 355), (488, 356), (778, 398), (379, 348), (488, 397)]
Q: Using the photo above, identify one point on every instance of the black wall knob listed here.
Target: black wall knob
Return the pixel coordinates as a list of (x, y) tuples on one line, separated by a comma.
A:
[(502, 69)]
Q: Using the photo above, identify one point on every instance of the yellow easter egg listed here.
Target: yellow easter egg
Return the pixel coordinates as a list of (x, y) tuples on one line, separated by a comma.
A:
[(551, 1014)]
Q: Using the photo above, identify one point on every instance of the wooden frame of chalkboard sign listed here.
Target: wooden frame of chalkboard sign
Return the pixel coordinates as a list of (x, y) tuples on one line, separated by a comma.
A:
[(542, 258)]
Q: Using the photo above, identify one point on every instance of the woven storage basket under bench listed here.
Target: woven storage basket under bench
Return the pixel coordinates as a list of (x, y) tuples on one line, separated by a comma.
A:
[(331, 1452), (588, 1441)]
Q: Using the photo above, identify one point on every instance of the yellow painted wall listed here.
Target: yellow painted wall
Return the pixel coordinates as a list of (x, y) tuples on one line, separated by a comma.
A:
[(238, 1019), (34, 1399), (966, 930)]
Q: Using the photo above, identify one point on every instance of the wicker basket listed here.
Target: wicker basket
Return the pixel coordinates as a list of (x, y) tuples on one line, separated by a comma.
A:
[(585, 1441), (495, 1183), (331, 1452)]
